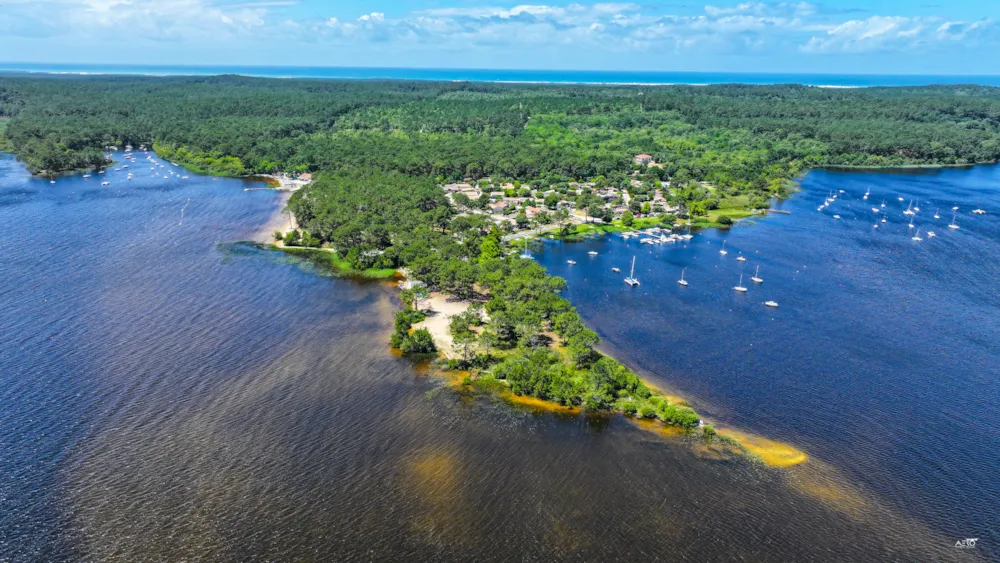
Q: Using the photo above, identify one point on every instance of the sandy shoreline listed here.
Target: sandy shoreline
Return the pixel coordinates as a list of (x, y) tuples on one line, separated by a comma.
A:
[(440, 308), (278, 221)]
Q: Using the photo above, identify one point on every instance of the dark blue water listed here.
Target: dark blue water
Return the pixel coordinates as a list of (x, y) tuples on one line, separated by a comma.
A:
[(883, 358), (167, 394), (513, 75)]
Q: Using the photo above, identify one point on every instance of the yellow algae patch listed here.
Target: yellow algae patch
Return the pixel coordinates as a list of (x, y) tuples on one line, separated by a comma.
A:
[(771, 452), (540, 405), (656, 427), (434, 475), (825, 484)]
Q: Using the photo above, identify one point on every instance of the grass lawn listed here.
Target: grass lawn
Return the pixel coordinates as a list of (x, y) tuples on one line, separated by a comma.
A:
[(338, 265)]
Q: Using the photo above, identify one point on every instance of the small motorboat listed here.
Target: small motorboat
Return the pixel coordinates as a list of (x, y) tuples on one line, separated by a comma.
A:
[(771, 304), (571, 262), (616, 270), (741, 259), (592, 253), (979, 211), (836, 216)]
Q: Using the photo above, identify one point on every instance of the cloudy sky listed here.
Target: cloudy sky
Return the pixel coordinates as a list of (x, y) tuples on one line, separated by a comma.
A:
[(839, 36)]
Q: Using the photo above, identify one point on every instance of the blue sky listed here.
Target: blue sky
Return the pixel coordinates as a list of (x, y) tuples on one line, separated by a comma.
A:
[(835, 36)]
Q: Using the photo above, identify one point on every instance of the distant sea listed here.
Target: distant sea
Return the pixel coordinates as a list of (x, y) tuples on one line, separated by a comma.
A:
[(506, 75)]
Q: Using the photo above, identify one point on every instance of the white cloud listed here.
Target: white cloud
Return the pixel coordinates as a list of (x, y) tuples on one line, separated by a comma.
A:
[(609, 26), (895, 33)]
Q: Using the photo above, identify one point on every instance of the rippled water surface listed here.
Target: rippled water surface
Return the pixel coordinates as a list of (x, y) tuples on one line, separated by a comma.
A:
[(883, 357), (168, 394)]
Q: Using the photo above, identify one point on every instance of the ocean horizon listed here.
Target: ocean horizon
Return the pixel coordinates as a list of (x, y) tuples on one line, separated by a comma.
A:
[(508, 75)]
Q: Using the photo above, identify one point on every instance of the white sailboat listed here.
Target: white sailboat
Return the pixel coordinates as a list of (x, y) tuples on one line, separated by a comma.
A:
[(869, 191), (937, 214), (916, 237), (723, 251), (909, 209), (954, 223), (756, 276), (682, 281), (740, 287), (631, 275)]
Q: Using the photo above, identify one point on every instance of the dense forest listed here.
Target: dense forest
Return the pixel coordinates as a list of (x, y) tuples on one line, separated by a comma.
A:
[(381, 150)]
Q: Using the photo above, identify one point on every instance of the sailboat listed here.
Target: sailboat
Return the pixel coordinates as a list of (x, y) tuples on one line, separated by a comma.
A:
[(756, 276), (866, 194), (909, 209), (884, 219), (937, 214), (631, 275), (911, 223), (883, 203), (682, 281), (723, 251), (954, 223), (916, 237), (740, 287)]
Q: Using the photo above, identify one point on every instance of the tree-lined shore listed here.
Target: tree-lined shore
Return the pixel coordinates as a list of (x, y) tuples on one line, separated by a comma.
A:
[(382, 150)]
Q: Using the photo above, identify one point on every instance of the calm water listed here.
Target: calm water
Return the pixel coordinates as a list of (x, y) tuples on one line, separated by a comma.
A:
[(169, 395), (883, 358), (511, 75)]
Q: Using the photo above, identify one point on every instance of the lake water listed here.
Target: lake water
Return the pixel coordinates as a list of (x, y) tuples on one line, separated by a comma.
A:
[(170, 394), (883, 357)]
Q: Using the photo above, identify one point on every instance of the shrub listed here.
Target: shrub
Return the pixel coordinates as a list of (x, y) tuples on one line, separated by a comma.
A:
[(647, 411), (724, 220), (630, 408), (420, 342), (291, 238)]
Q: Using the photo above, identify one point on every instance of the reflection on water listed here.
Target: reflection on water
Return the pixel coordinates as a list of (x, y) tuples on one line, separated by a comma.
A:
[(167, 398)]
